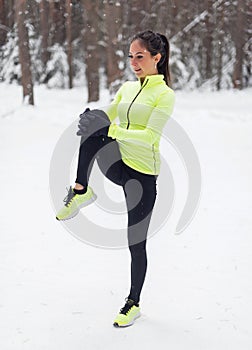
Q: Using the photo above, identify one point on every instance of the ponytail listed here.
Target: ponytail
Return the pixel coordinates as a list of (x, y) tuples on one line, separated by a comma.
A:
[(163, 64)]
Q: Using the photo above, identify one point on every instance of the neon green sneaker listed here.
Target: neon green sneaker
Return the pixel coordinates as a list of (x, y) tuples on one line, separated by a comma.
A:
[(128, 314), (73, 203)]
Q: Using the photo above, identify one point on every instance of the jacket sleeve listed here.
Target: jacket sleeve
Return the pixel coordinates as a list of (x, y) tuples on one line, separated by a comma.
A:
[(111, 110), (153, 130)]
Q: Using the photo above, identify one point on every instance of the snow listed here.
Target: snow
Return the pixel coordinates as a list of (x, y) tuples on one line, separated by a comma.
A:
[(59, 293)]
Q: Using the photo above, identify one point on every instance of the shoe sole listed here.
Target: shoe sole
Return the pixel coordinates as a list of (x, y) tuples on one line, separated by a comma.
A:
[(91, 200), (116, 325)]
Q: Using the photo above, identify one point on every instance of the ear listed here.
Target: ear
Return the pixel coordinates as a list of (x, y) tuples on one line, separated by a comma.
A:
[(157, 57)]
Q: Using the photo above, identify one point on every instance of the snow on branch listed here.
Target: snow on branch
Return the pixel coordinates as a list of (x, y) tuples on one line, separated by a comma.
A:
[(194, 22)]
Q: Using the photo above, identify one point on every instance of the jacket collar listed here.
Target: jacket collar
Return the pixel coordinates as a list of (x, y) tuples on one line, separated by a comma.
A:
[(152, 79)]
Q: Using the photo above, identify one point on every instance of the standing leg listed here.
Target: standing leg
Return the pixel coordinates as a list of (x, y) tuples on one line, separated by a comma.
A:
[(140, 193)]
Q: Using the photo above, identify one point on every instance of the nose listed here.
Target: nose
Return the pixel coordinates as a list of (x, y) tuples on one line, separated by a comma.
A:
[(133, 62)]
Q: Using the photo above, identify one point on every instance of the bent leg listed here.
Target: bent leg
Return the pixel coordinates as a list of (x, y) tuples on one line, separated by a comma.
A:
[(102, 148)]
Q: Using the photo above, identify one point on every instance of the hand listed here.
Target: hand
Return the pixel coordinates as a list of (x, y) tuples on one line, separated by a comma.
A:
[(93, 123)]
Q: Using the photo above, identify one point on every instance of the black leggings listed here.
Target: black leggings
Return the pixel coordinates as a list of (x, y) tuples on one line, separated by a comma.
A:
[(140, 195)]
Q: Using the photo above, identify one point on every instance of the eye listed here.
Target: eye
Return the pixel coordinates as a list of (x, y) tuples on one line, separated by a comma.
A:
[(138, 57)]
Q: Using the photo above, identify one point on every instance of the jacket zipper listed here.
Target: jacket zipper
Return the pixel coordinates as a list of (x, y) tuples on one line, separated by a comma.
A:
[(134, 101)]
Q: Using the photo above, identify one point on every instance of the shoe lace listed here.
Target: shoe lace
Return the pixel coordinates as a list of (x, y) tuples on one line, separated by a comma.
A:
[(128, 305), (70, 195)]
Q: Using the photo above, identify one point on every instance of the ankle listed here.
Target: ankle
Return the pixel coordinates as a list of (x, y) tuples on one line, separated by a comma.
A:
[(80, 190), (133, 301), (78, 186)]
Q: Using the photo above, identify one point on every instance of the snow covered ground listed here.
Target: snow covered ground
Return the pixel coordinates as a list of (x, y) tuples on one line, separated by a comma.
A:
[(58, 293)]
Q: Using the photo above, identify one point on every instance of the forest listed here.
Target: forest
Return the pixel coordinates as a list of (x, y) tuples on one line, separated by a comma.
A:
[(67, 43)]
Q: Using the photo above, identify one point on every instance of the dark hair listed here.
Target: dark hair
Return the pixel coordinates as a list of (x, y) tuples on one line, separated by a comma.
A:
[(157, 43)]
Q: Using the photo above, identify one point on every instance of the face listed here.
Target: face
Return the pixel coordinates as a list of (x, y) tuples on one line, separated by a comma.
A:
[(141, 61)]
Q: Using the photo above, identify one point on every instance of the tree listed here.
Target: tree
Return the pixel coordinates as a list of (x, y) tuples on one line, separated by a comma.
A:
[(220, 44), (210, 40), (3, 24), (7, 19), (44, 30), (239, 43), (247, 48), (207, 40), (91, 37), (113, 21), (24, 54), (69, 41), (56, 14)]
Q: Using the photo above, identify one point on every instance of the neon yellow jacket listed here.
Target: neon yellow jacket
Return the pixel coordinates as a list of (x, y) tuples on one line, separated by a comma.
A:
[(143, 109)]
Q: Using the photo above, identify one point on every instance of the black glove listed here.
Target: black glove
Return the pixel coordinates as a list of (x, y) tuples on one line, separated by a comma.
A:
[(93, 122)]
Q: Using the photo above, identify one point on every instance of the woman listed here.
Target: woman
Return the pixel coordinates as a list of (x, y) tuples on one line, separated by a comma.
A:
[(132, 158)]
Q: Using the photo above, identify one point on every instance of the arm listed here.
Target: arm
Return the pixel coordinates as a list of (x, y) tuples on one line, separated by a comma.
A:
[(111, 110)]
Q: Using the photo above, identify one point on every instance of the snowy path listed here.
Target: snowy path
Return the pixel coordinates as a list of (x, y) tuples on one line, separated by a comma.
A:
[(58, 293)]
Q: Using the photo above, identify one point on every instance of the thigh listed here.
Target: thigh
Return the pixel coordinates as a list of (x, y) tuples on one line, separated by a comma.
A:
[(140, 194), (110, 162)]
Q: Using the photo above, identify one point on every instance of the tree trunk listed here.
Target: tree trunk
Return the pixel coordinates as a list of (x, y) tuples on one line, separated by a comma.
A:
[(220, 38), (10, 13), (146, 10), (51, 22), (24, 54), (136, 17), (69, 42), (175, 12), (247, 48), (44, 28), (239, 42), (57, 19), (207, 43), (113, 25), (3, 24), (91, 37)]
